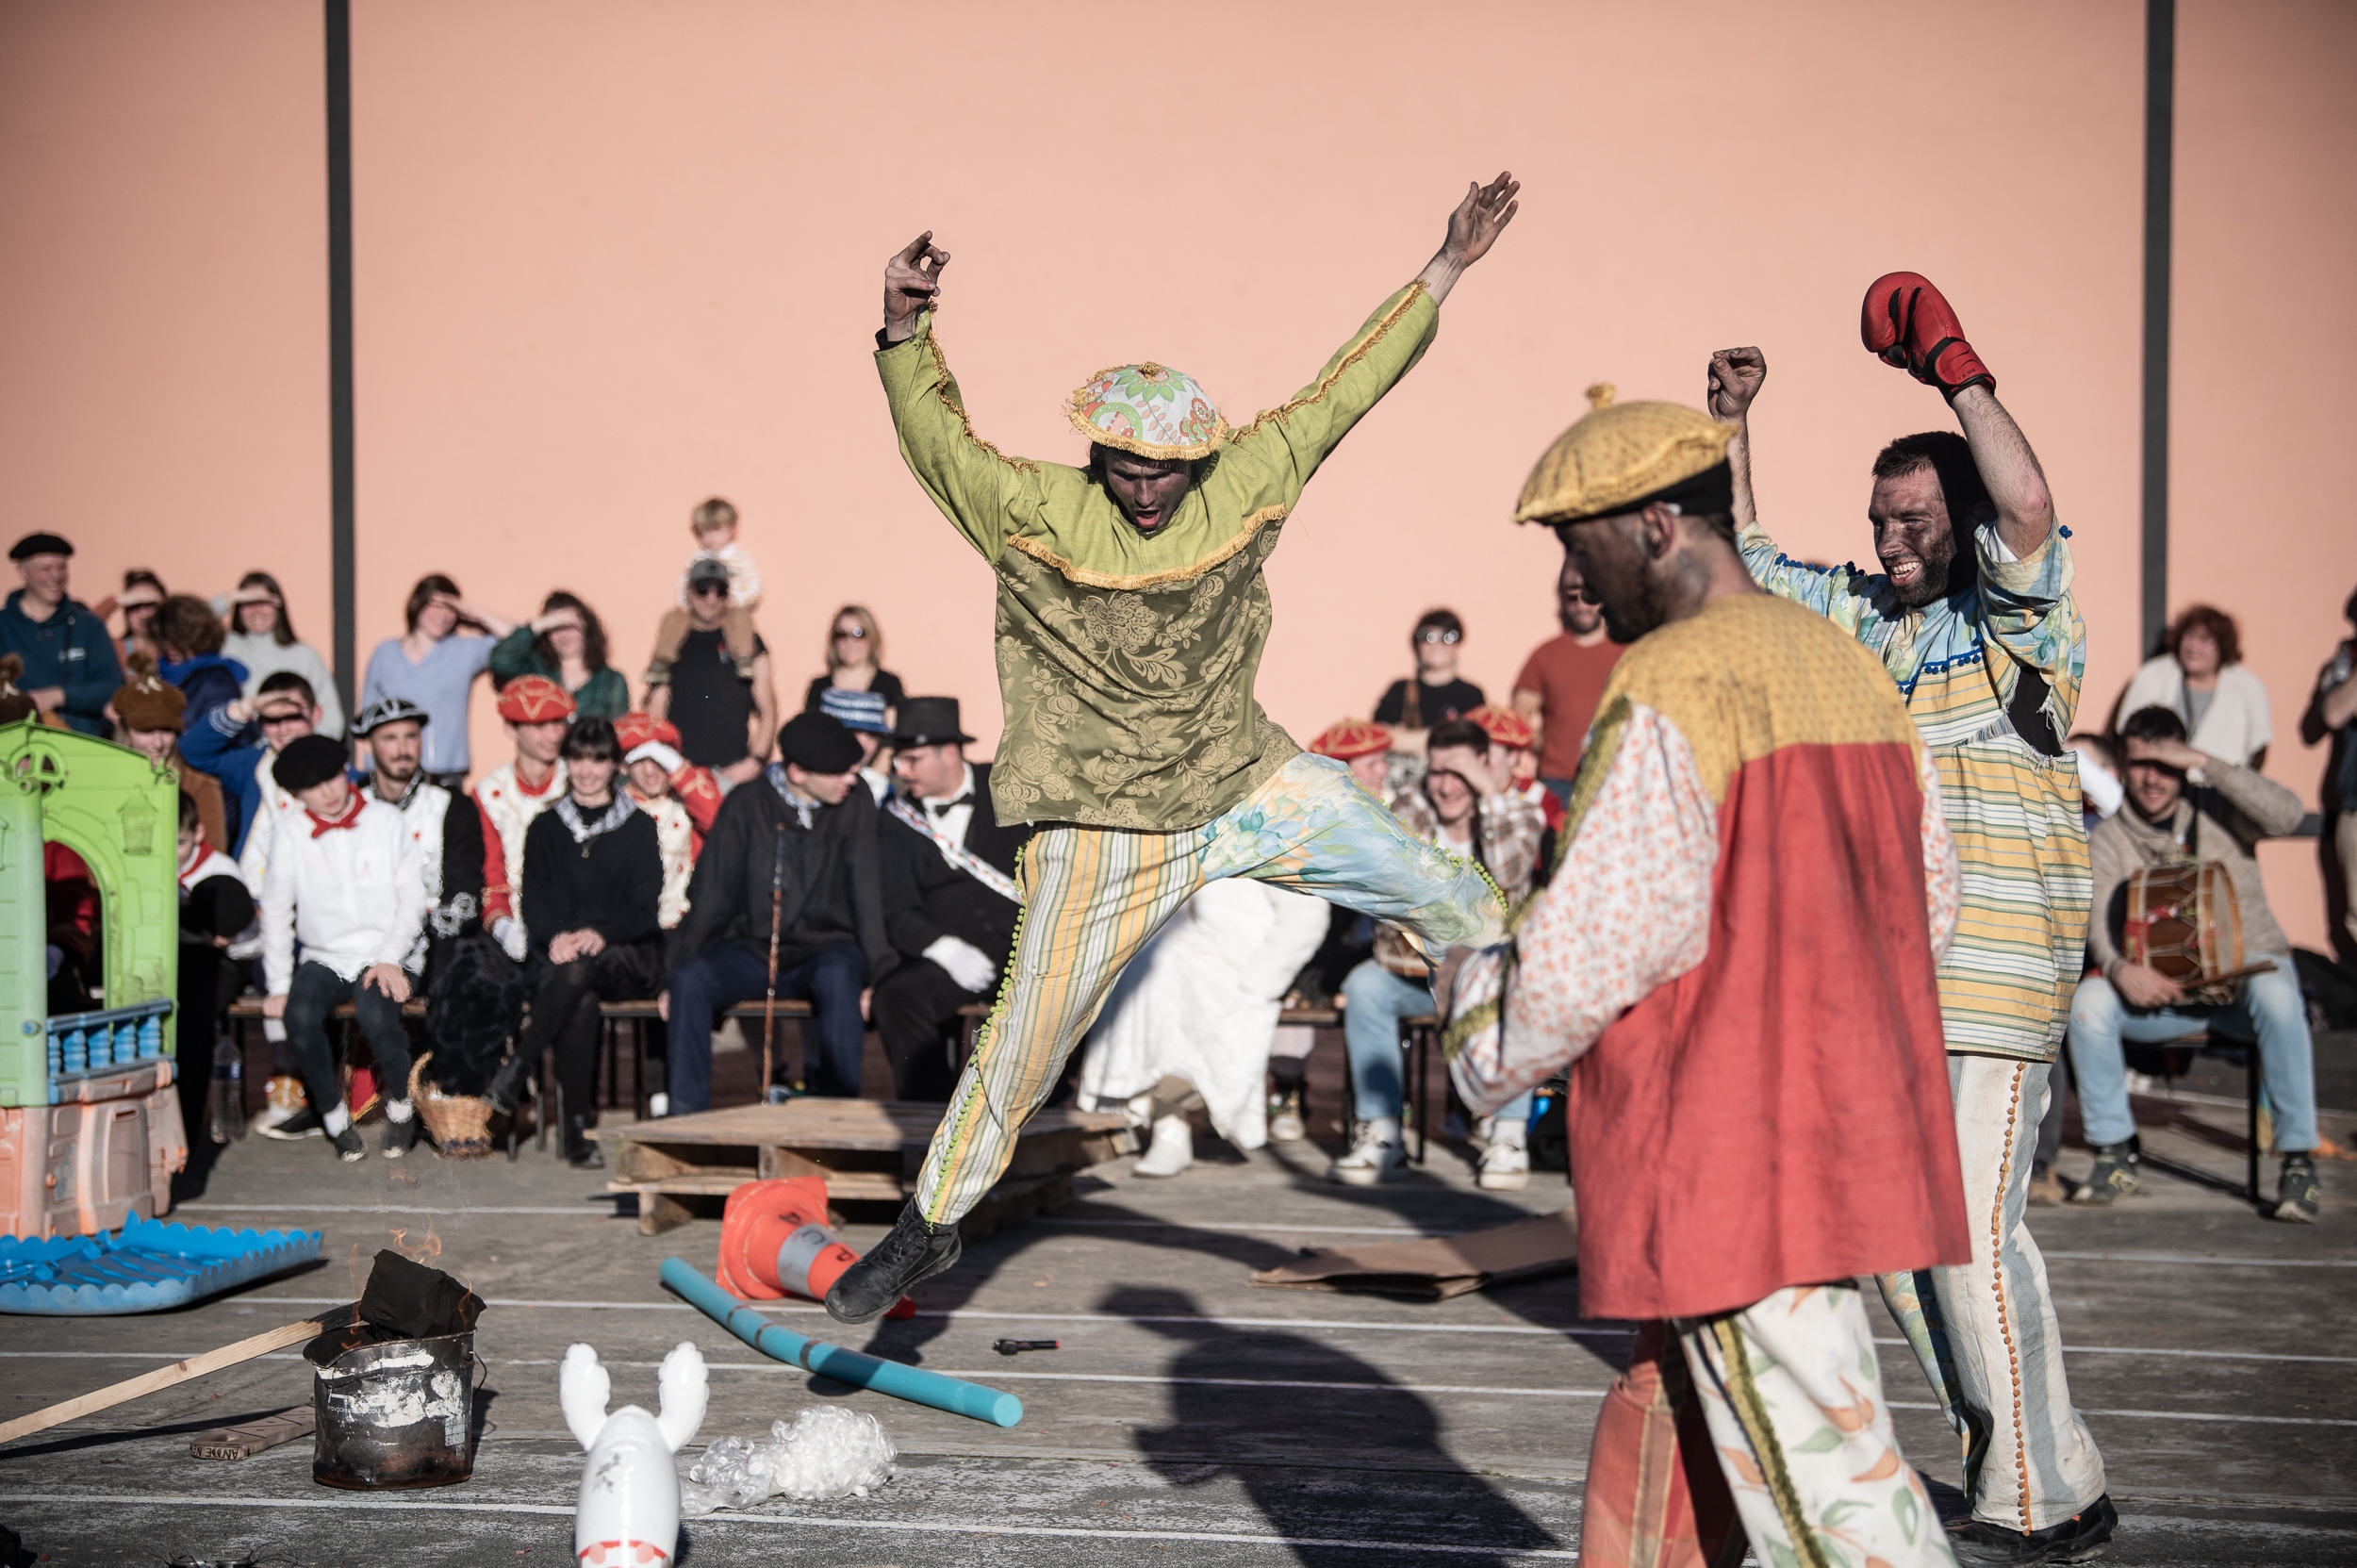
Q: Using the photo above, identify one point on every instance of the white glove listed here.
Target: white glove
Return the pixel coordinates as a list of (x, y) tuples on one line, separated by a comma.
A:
[(673, 762), (508, 933), (965, 963)]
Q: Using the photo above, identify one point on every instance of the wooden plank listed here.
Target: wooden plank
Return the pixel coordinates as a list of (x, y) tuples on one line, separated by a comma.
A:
[(178, 1372), (249, 1438)]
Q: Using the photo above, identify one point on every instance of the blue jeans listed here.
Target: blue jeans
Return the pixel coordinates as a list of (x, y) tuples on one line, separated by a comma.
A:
[(730, 972), (2266, 1008), (1374, 1001)]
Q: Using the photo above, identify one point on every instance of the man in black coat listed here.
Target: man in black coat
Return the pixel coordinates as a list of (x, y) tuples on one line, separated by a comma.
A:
[(793, 851), (950, 900)]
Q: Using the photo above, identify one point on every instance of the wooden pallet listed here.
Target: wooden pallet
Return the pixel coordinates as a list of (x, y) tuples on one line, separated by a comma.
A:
[(869, 1151)]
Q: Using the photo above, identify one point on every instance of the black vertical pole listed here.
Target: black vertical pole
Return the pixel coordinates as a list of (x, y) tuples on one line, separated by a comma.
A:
[(2160, 93), (340, 336)]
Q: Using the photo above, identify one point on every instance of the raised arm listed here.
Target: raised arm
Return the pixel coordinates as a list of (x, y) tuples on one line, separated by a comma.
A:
[(1472, 228), (2025, 513), (1733, 380)]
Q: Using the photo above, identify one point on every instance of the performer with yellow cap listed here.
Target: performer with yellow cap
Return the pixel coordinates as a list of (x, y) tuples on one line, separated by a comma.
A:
[(1973, 618), (1735, 956), (1131, 617)]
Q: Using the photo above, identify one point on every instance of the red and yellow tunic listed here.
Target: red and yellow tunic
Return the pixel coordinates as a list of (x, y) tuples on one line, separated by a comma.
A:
[(1737, 950)]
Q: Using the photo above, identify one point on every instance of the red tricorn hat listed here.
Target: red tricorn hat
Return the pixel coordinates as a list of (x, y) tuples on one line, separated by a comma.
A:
[(1504, 726), (1352, 738), (633, 730), (534, 700)]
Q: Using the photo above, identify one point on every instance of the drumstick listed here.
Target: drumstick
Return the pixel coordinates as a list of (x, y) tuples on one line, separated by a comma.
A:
[(2205, 982)]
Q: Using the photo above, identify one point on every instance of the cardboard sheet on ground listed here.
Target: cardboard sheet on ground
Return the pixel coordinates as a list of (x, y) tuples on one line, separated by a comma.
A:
[(1436, 1269)]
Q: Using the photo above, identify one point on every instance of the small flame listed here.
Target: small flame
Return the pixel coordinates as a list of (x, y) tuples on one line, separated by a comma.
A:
[(428, 1247)]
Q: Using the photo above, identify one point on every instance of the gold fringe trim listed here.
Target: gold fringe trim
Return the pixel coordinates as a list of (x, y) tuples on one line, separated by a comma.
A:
[(1326, 383), (1252, 525), (940, 390)]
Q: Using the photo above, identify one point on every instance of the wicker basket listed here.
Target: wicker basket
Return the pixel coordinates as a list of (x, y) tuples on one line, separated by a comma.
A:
[(460, 1125)]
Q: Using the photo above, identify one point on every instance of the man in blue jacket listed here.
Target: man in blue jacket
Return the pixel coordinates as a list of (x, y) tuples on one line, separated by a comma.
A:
[(70, 664)]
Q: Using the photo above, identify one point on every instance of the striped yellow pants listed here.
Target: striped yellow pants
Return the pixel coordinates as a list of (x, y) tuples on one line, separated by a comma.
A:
[(1093, 897)]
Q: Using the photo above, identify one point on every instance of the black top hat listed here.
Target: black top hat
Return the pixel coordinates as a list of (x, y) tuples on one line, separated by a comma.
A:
[(929, 721)]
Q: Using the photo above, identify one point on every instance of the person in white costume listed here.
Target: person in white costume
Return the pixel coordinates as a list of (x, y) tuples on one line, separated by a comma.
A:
[(1200, 1004)]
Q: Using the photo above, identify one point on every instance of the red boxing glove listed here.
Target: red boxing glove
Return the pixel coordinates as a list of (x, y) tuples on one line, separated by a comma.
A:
[(1905, 321)]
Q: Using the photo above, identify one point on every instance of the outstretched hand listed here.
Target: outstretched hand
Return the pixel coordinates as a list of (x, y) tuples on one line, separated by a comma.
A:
[(1472, 228), (911, 284), (1736, 378)]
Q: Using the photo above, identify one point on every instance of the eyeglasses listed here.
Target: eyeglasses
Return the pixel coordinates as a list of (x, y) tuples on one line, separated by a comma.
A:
[(709, 590), (1433, 633), (856, 632)]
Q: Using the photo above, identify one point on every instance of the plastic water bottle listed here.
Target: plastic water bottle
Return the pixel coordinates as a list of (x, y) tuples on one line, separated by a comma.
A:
[(228, 1102)]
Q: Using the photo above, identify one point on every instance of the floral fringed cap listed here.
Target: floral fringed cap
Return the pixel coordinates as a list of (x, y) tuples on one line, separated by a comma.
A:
[(1149, 409), (1625, 456)]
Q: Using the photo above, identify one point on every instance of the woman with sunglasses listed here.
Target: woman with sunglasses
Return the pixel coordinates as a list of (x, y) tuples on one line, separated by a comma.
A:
[(1434, 694), (855, 662)]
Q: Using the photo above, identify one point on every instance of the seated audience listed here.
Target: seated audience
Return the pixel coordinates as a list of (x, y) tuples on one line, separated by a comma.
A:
[(147, 719), (217, 909), (1564, 680), (450, 843), (565, 643), (1463, 807), (1363, 747), (68, 654), (864, 713), (855, 662), (236, 743), (188, 637), (1192, 1017), (725, 708), (537, 711), (592, 884), (347, 883), (794, 853), (2333, 716), (2199, 676), (681, 797), (2183, 802), (713, 523), (262, 638), (1434, 694), (950, 898), (434, 664), (143, 590), (1511, 763)]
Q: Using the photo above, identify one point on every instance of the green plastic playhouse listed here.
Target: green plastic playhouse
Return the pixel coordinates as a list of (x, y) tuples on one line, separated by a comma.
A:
[(121, 814)]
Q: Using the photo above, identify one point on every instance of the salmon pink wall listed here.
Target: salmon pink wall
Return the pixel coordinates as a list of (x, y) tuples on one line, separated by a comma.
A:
[(614, 255)]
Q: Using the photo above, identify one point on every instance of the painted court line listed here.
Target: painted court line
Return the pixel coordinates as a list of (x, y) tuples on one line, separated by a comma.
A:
[(2201, 1258), (575, 1209), (799, 1523), (1250, 1229)]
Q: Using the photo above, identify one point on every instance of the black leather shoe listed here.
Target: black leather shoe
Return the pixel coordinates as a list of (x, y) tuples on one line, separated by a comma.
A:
[(580, 1152), (914, 1251), (2081, 1537), (507, 1084)]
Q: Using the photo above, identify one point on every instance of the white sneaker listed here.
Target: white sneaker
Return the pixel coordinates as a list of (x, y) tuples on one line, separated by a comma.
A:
[(1376, 1154), (658, 1105), (1285, 1123), (1173, 1149), (1505, 1167)]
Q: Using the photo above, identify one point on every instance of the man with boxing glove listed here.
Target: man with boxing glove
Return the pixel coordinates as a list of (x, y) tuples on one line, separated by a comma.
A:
[(1972, 616)]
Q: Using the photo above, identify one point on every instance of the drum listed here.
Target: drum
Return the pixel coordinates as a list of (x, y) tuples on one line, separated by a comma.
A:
[(2182, 921)]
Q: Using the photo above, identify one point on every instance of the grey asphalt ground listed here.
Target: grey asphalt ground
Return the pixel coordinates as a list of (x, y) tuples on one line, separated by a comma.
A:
[(1188, 1418)]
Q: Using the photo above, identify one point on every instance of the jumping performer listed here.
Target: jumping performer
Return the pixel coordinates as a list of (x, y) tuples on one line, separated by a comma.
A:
[(1131, 615), (1972, 616), (1736, 954)]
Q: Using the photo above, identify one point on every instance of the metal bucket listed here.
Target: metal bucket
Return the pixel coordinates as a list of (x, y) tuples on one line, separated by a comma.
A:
[(395, 1415)]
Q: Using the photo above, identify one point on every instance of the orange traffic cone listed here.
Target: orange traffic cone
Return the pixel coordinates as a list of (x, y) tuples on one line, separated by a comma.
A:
[(774, 1242)]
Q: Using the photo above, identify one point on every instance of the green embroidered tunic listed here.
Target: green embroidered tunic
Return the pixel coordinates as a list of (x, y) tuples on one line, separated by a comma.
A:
[(1125, 663)]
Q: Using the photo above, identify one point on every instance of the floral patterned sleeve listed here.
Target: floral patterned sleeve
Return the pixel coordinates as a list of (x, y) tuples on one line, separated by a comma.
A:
[(1642, 859), (1943, 877)]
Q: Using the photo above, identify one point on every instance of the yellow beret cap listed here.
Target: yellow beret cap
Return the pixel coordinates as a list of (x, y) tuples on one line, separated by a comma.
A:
[(1620, 453)]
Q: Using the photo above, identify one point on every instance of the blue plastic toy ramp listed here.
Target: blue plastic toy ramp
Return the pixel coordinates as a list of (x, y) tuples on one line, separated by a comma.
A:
[(144, 1267)]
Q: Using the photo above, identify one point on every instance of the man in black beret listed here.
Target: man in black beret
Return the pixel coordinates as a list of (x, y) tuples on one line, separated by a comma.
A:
[(70, 664), (789, 869)]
